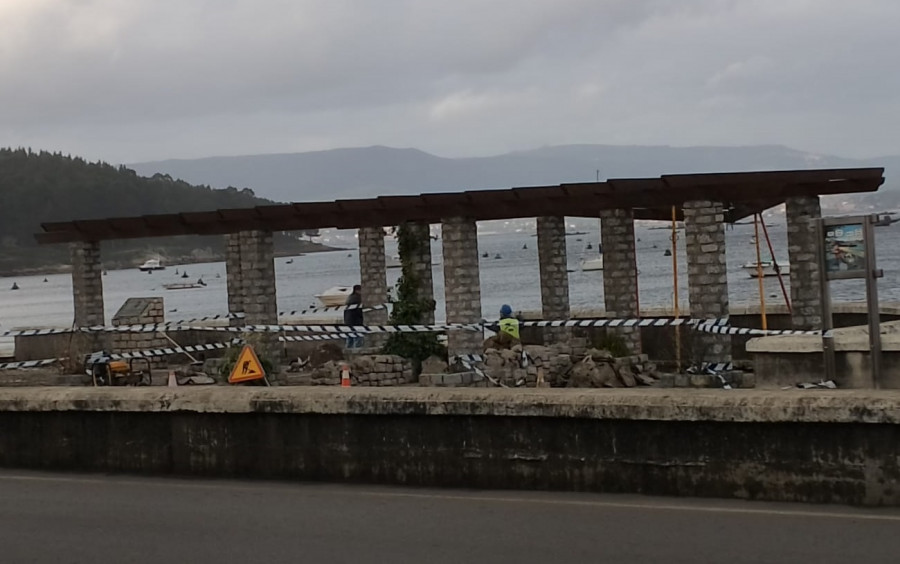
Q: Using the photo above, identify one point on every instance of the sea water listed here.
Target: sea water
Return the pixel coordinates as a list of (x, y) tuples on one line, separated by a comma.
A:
[(513, 278)]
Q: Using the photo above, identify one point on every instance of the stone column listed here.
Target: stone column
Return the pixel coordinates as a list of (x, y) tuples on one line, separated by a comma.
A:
[(620, 284), (257, 267), (704, 233), (551, 240), (462, 285), (233, 276), (87, 283), (373, 279), (806, 303), (420, 259)]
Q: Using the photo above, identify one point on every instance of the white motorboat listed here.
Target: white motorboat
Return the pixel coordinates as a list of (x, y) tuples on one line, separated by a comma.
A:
[(592, 264), (392, 262), (150, 265), (768, 268), (335, 296)]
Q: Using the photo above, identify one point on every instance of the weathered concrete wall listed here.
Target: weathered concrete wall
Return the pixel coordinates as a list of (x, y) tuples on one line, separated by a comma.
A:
[(620, 279), (833, 447), (801, 214), (551, 240), (87, 284), (462, 284)]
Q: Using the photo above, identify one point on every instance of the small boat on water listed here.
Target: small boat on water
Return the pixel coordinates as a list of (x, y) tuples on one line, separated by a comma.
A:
[(592, 264), (392, 262), (150, 265), (335, 296), (768, 268), (14, 286), (183, 285)]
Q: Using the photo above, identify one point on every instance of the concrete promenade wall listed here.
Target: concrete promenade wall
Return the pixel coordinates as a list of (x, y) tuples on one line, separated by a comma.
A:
[(821, 446)]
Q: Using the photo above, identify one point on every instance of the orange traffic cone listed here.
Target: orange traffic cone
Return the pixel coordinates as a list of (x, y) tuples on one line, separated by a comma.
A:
[(345, 375), (173, 383)]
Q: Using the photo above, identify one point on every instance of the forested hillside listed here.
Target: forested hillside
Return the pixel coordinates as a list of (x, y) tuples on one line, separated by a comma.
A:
[(37, 187)]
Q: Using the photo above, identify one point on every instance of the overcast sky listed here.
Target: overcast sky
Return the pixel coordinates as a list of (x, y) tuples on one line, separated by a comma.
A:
[(136, 80)]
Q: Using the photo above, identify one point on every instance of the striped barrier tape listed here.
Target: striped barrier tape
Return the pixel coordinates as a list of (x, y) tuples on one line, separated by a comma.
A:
[(330, 309), (150, 353), (729, 330), (624, 322), (149, 328), (469, 362), (328, 337), (36, 332), (29, 363)]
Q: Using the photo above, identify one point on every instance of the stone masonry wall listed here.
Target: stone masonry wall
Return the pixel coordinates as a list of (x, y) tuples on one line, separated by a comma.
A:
[(620, 283), (258, 288), (806, 305), (421, 263), (551, 240), (704, 233), (462, 284), (367, 370), (140, 311), (373, 279), (87, 284)]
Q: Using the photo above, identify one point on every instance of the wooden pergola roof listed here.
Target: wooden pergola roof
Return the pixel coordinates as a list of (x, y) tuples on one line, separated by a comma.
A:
[(743, 193)]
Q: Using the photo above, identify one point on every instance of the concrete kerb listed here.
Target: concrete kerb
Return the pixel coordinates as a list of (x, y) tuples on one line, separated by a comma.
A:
[(741, 406)]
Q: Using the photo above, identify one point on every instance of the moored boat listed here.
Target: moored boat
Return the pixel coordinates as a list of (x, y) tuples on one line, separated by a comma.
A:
[(335, 296), (150, 265), (768, 268)]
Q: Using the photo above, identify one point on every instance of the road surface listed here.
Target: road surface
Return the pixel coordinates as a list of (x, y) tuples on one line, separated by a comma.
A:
[(63, 518)]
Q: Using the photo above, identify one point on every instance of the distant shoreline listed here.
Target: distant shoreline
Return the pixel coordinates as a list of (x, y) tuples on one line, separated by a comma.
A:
[(59, 268)]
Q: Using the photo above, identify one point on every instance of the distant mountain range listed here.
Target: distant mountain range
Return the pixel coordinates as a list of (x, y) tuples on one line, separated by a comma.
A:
[(373, 171)]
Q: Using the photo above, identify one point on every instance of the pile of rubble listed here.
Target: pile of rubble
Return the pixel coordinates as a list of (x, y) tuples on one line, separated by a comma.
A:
[(537, 366), (366, 370)]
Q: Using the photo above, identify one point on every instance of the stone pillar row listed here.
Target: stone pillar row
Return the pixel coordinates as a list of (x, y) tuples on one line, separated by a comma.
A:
[(551, 240), (421, 266), (620, 283), (462, 285), (704, 233), (87, 283), (373, 279), (250, 271), (801, 214)]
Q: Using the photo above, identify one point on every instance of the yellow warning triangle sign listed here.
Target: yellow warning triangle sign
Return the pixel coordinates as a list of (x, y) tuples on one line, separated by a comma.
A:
[(247, 367)]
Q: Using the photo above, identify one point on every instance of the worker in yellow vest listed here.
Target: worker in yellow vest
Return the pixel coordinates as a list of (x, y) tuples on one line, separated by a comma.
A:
[(509, 325)]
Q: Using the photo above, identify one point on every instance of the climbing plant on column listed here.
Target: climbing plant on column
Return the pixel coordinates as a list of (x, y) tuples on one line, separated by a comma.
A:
[(410, 307)]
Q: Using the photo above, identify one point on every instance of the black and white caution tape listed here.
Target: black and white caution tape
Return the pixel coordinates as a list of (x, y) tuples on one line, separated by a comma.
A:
[(729, 330), (330, 309), (288, 328), (29, 363), (469, 362), (150, 353), (604, 322), (35, 332), (218, 317), (328, 337)]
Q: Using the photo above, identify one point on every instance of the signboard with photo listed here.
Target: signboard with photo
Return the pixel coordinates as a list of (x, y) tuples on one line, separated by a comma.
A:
[(845, 249)]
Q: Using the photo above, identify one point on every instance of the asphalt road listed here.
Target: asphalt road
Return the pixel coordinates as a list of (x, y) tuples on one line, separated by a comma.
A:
[(64, 518)]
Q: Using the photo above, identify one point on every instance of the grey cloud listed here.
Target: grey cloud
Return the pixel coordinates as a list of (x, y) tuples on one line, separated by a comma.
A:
[(142, 80)]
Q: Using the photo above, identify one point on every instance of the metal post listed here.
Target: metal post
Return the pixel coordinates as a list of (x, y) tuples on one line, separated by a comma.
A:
[(675, 284), (827, 324), (872, 303)]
